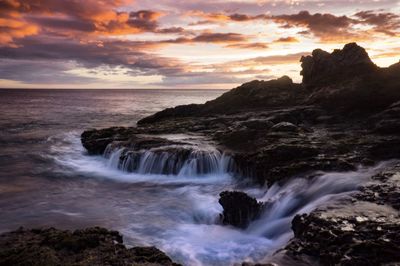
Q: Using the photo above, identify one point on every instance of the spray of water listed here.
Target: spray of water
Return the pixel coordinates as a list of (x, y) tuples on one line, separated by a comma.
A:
[(179, 161), (182, 219)]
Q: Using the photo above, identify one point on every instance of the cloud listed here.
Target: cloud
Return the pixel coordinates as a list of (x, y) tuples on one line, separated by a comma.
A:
[(219, 37), (146, 20), (289, 39), (386, 22), (325, 26), (11, 29), (114, 53), (76, 19), (251, 46), (208, 37), (265, 60), (147, 38), (40, 71)]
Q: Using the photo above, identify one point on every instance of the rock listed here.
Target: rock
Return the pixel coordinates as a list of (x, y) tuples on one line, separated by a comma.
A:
[(95, 141), (91, 246), (346, 241), (346, 113), (179, 111), (323, 68), (285, 127), (343, 96), (385, 190), (253, 95), (363, 230), (239, 208), (388, 121), (257, 124)]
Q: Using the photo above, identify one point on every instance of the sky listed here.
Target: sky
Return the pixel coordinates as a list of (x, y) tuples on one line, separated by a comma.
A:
[(182, 43)]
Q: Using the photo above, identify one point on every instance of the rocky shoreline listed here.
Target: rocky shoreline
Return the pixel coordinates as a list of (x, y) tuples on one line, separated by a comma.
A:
[(91, 246), (345, 114)]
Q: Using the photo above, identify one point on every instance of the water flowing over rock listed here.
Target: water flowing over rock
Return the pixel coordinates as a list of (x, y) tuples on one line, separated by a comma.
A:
[(239, 208), (345, 114), (359, 231), (145, 154), (170, 160)]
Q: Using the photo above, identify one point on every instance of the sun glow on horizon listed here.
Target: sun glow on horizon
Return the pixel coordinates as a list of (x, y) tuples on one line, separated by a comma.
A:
[(190, 44)]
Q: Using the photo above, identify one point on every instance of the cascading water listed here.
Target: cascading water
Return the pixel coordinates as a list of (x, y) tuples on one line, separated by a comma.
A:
[(168, 197), (180, 161)]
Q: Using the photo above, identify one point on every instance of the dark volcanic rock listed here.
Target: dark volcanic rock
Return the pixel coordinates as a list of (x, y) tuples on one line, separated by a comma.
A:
[(346, 241), (384, 190), (285, 127), (91, 246), (362, 231), (323, 68), (346, 80), (346, 113), (276, 129), (239, 208), (253, 95), (95, 141)]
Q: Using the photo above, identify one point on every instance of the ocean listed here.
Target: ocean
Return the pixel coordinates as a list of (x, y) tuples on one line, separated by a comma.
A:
[(47, 179)]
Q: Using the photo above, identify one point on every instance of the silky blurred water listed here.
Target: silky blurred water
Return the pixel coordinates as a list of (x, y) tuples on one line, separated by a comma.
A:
[(38, 125), (47, 179)]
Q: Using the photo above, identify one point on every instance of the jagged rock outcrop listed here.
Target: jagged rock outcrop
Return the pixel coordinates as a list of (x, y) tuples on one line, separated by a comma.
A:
[(239, 208), (86, 247), (322, 68), (275, 129), (348, 81)]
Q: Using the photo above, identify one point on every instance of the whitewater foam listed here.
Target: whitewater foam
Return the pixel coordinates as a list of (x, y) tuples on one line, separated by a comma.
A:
[(183, 219)]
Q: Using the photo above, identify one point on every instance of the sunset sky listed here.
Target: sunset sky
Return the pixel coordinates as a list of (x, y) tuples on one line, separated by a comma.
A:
[(181, 43)]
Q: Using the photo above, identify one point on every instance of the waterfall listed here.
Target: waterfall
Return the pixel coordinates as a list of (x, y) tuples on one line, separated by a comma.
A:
[(172, 160)]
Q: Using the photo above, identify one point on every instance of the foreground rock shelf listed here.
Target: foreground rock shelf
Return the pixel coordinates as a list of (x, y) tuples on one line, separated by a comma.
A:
[(363, 230), (91, 246)]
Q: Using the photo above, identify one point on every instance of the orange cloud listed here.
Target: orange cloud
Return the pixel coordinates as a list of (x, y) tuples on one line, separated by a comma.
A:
[(289, 39), (251, 46), (99, 17)]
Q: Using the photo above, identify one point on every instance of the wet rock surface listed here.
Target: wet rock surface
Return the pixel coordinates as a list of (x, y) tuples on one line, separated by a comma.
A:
[(344, 114), (91, 246), (239, 208), (363, 230), (276, 129)]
